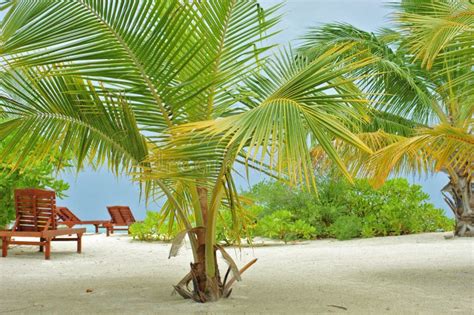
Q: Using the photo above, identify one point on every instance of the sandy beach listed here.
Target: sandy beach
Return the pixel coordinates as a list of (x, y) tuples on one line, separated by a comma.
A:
[(416, 274)]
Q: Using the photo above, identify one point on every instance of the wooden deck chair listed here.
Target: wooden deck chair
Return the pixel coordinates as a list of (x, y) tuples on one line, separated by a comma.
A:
[(121, 219), (68, 218), (36, 217)]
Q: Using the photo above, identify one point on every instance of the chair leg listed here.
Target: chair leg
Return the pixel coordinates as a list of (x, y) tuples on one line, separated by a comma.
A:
[(108, 231), (96, 228), (47, 252), (41, 246), (79, 243), (4, 247)]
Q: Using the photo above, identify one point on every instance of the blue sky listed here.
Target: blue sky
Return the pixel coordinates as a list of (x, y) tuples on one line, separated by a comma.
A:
[(91, 191)]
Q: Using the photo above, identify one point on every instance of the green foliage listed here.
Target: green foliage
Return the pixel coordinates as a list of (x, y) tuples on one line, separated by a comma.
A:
[(282, 225), (154, 228), (230, 230), (394, 209), (340, 210), (347, 227), (40, 175), (345, 211)]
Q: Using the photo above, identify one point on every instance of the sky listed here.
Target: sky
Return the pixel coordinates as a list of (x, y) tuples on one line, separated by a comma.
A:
[(91, 191)]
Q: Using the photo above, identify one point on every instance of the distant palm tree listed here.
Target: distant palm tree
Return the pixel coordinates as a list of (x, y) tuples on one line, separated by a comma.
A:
[(422, 87), (174, 93)]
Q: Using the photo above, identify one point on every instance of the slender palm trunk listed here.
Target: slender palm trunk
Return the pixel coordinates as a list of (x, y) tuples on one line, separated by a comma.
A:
[(198, 269), (461, 202), (204, 283), (204, 287)]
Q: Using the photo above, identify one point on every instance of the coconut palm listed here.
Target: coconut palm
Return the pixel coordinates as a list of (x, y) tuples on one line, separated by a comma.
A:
[(174, 94), (422, 88)]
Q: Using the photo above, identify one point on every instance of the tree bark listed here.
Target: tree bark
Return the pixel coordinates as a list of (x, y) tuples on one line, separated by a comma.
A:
[(204, 288), (204, 283), (461, 201), (198, 269)]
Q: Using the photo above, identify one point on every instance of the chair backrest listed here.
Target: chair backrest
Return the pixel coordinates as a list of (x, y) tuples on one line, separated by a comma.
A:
[(66, 215), (35, 209), (121, 215)]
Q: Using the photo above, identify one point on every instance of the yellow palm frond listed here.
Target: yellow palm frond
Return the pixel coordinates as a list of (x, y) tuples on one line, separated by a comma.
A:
[(430, 150)]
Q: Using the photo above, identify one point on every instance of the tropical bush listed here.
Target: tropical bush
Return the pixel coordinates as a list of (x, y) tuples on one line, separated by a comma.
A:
[(346, 211), (154, 228), (283, 225), (231, 229), (340, 210), (346, 227)]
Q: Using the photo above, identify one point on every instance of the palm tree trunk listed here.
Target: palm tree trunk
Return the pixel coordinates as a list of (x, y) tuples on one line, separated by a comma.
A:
[(461, 202), (204, 287), (198, 269)]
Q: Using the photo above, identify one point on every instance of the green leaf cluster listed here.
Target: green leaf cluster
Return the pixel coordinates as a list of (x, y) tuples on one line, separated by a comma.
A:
[(154, 228), (345, 211), (340, 210), (283, 225)]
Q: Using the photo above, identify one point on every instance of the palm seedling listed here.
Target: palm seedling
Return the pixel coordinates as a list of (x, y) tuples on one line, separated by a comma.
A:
[(175, 94)]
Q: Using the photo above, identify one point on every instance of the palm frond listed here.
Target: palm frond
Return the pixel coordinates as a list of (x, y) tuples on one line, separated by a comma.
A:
[(435, 29), (42, 120), (430, 150), (293, 106), (392, 84)]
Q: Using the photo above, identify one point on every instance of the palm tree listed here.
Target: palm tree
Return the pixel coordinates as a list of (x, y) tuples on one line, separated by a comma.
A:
[(175, 94), (422, 88)]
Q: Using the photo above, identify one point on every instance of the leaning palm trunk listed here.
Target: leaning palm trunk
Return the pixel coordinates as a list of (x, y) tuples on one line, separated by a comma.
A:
[(461, 202)]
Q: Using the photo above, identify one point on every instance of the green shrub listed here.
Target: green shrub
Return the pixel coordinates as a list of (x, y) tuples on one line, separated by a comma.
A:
[(340, 210), (153, 229), (433, 219), (231, 230), (282, 225), (396, 208), (346, 227)]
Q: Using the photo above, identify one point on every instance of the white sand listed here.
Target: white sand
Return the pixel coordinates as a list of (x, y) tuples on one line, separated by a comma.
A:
[(408, 274)]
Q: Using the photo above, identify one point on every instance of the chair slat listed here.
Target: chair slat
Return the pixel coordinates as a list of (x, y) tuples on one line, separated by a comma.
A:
[(35, 208), (67, 215), (121, 215)]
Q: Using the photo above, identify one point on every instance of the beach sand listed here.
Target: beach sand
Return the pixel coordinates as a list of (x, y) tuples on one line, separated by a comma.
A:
[(416, 274)]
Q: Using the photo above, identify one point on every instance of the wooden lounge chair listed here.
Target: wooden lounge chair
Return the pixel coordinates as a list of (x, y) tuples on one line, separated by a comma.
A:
[(68, 218), (121, 219), (36, 217)]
